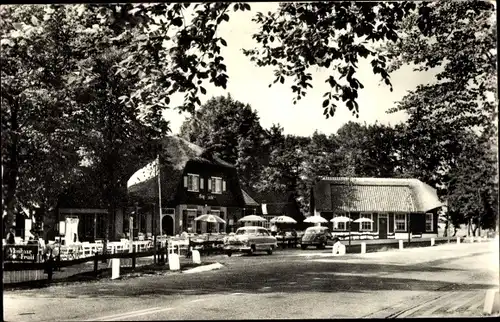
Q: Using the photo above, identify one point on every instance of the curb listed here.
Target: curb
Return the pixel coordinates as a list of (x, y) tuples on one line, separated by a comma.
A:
[(203, 268)]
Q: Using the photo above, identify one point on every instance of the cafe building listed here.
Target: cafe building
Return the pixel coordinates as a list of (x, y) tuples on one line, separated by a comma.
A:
[(395, 207), (191, 182)]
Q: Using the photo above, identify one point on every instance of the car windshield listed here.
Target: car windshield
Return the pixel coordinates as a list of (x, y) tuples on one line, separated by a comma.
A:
[(245, 232), (314, 230)]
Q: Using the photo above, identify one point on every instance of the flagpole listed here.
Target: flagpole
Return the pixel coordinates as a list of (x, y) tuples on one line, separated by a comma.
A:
[(159, 189)]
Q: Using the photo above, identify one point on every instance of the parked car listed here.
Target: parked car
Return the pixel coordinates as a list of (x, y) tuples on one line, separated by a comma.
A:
[(316, 236), (249, 240)]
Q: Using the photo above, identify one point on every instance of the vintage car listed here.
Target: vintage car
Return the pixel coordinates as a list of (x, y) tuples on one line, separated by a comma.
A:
[(316, 236), (249, 240)]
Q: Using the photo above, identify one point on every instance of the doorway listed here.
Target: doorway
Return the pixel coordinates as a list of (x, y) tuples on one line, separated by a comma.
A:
[(382, 228), (167, 225)]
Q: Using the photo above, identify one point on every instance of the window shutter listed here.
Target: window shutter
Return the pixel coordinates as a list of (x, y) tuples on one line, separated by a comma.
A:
[(210, 184), (201, 183), (185, 181), (223, 185)]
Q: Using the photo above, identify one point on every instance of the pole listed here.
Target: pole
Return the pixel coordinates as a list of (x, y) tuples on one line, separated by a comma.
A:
[(349, 214), (131, 234), (153, 233), (409, 230), (159, 189), (448, 224), (479, 222)]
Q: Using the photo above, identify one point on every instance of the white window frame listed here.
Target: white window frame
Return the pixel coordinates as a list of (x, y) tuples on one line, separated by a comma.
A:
[(195, 181), (214, 185), (370, 224), (396, 222), (431, 215), (340, 225), (267, 224)]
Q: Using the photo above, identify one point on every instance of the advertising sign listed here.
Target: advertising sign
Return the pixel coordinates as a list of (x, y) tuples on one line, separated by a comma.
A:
[(21, 253)]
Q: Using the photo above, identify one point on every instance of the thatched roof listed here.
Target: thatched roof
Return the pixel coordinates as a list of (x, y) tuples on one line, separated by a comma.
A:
[(176, 153), (374, 195)]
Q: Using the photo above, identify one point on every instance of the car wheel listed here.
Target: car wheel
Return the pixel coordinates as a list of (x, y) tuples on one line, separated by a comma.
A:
[(321, 246), (229, 254), (252, 250), (270, 250), (303, 246)]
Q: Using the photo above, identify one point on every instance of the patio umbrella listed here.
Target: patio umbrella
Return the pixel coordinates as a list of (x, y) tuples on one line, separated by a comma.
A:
[(283, 220), (341, 219), (210, 218), (252, 218), (360, 220), (315, 220)]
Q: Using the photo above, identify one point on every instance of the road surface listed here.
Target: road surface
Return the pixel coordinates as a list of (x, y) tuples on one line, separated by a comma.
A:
[(444, 280)]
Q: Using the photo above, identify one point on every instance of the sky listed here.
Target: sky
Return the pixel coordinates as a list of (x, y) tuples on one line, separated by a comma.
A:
[(249, 85)]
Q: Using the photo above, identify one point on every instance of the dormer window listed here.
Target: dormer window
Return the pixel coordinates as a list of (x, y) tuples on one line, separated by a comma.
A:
[(192, 182), (216, 184)]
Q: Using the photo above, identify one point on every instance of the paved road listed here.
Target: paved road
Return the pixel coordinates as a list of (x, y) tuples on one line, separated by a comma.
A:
[(445, 280)]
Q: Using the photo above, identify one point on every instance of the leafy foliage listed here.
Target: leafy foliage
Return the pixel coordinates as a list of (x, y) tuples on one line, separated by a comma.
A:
[(446, 116), (38, 141), (473, 184), (329, 35), (232, 130)]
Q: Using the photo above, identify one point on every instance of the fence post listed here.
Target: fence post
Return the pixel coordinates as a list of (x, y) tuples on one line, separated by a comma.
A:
[(133, 259), (400, 244), (96, 263), (50, 268)]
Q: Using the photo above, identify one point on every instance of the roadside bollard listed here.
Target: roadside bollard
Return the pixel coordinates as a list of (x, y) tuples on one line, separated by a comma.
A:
[(491, 302), (196, 256), (458, 240), (363, 248), (342, 249), (115, 268), (433, 241), (173, 262), (400, 244), (471, 239)]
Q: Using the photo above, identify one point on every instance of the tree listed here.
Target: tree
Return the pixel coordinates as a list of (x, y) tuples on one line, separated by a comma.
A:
[(371, 150), (38, 150), (459, 42), (232, 130), (449, 117), (175, 54), (332, 36), (320, 159), (72, 100), (472, 191)]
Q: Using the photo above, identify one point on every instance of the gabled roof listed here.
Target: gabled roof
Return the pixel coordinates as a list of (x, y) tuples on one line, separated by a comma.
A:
[(375, 195), (248, 200), (175, 154)]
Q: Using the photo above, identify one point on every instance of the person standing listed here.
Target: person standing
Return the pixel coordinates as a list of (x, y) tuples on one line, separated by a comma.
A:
[(274, 229), (11, 236)]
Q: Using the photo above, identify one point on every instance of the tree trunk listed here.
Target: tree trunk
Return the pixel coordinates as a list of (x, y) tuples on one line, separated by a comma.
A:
[(11, 170)]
